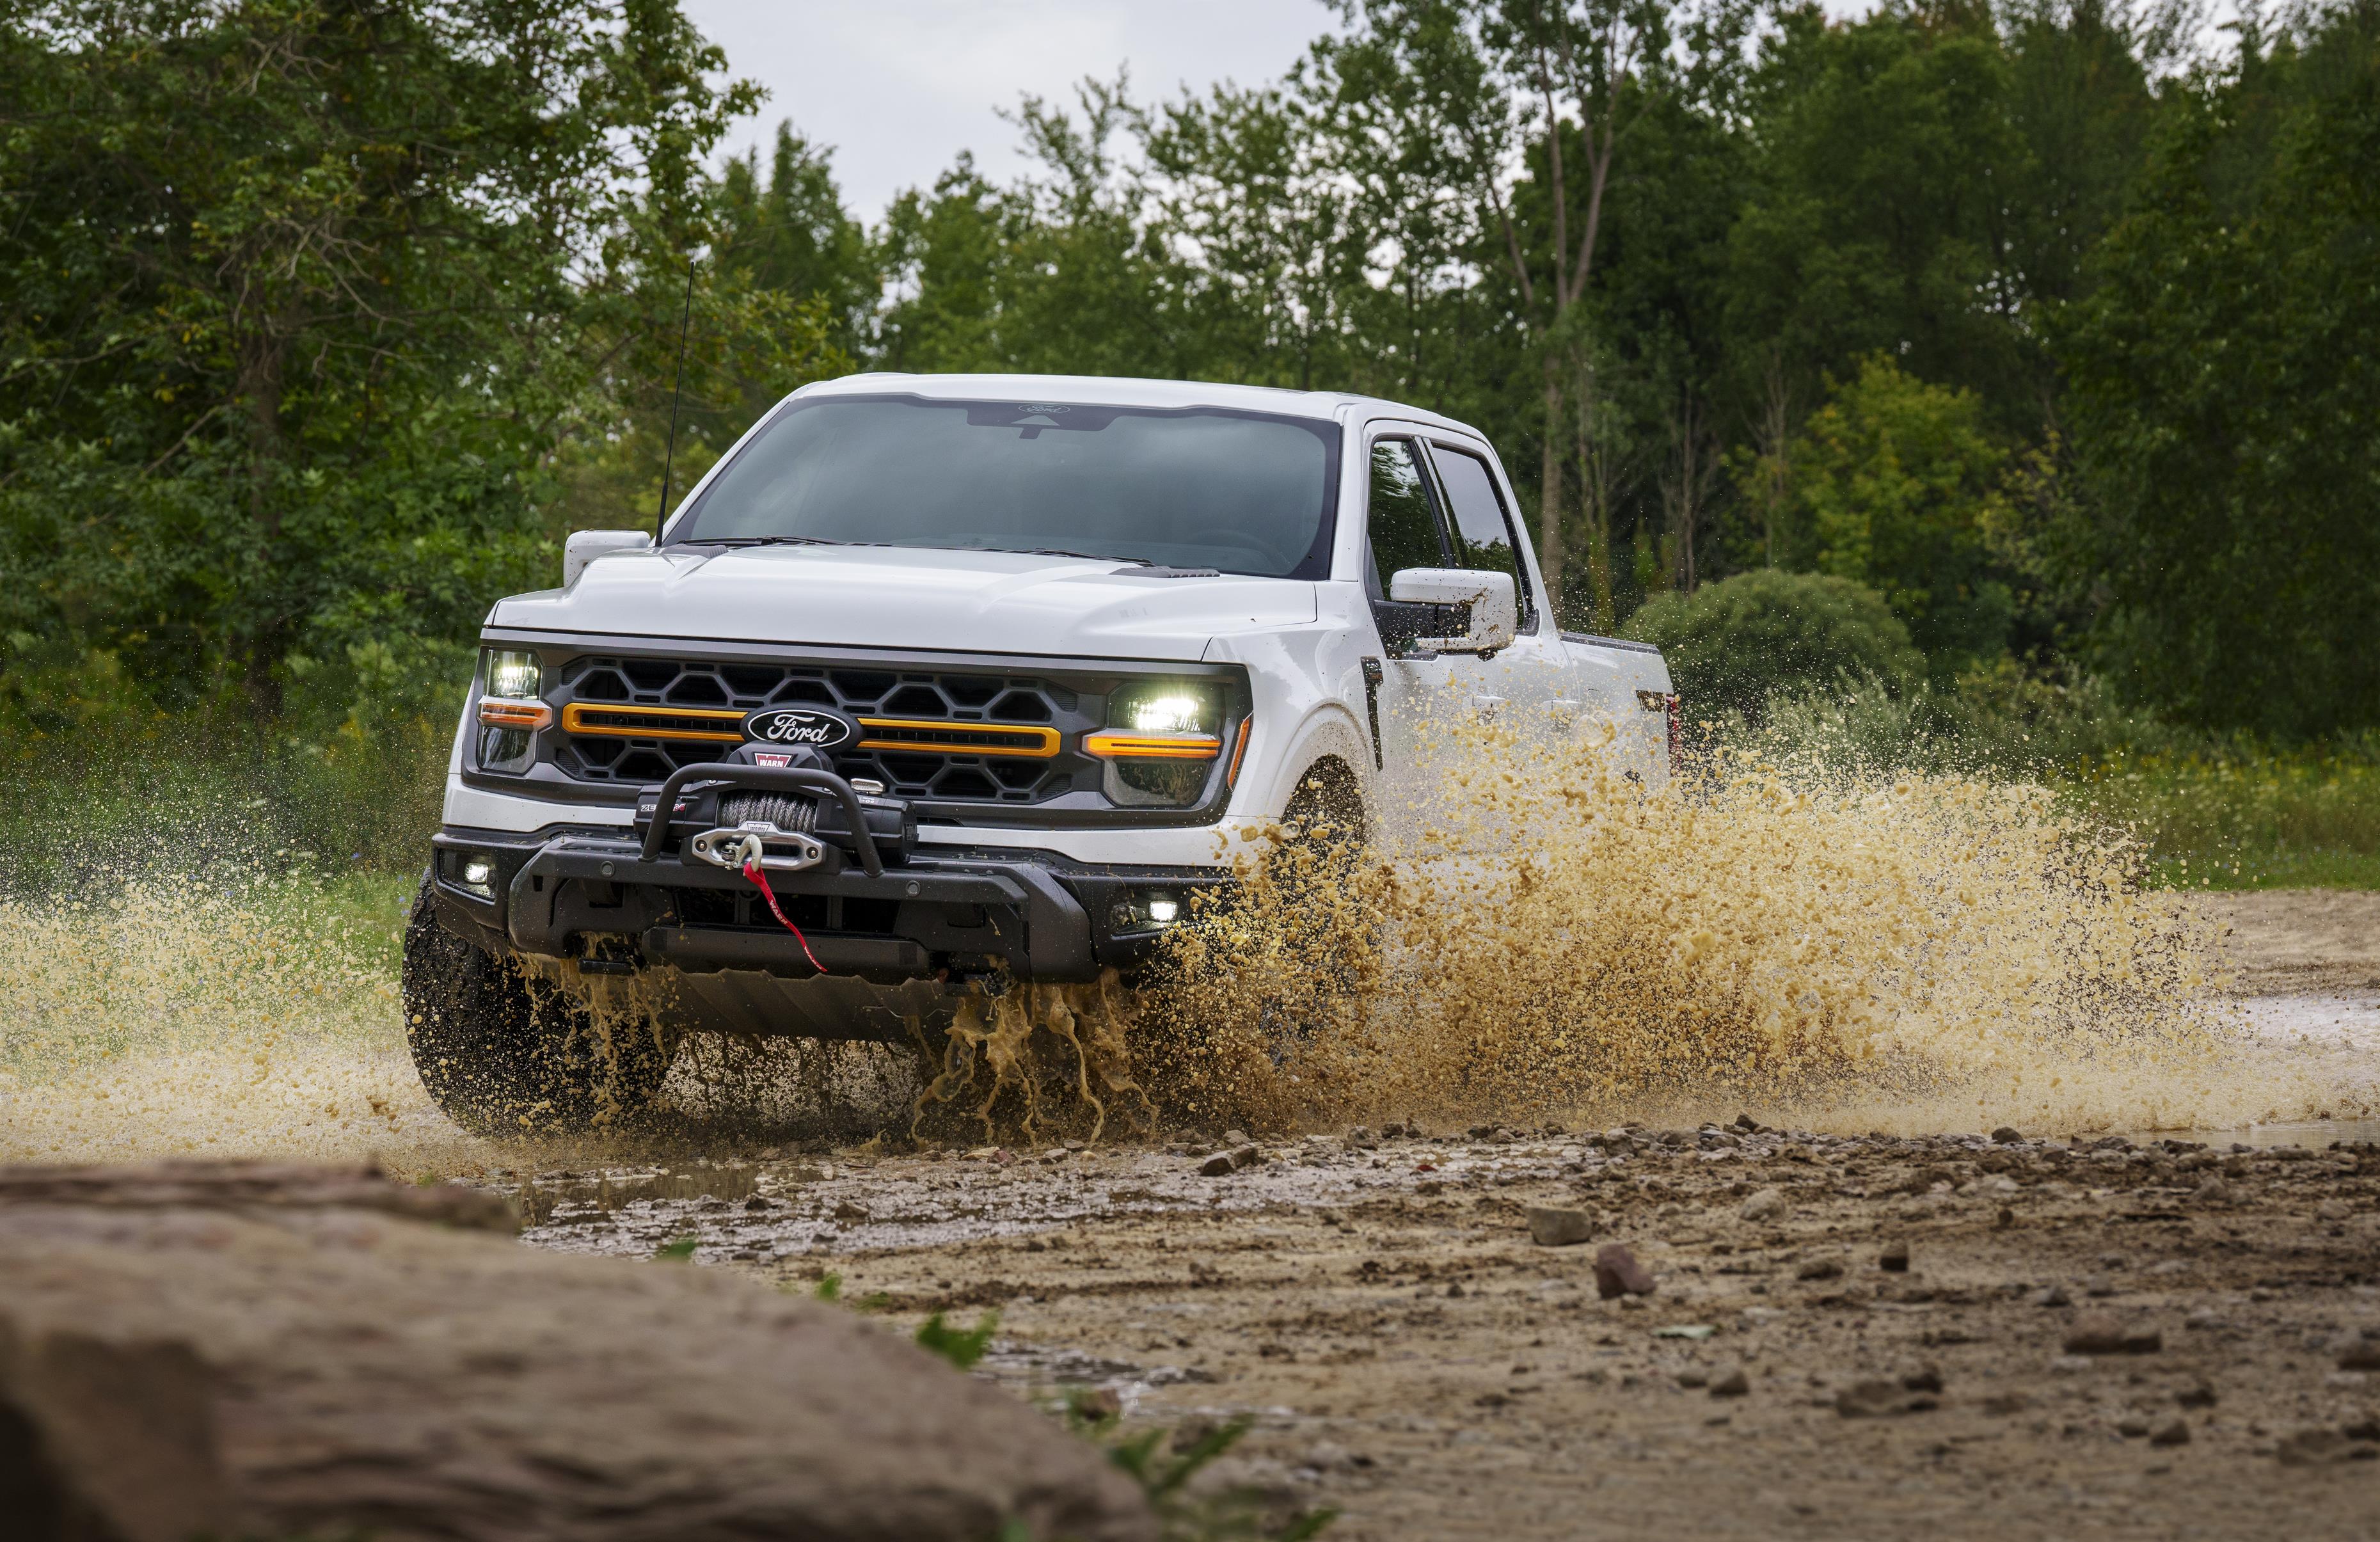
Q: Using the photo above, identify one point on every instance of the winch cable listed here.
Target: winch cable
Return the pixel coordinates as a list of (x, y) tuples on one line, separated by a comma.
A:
[(752, 871)]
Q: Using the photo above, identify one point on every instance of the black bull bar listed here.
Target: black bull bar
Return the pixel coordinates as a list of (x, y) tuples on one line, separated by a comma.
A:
[(1049, 920)]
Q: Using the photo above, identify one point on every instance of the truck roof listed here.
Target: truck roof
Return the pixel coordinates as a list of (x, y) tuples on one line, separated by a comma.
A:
[(1115, 390)]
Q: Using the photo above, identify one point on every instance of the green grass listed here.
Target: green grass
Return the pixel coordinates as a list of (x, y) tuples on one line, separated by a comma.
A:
[(2244, 817), (961, 1346), (2286, 870)]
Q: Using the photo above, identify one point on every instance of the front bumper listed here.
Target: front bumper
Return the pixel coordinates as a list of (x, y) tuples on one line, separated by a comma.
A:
[(591, 895)]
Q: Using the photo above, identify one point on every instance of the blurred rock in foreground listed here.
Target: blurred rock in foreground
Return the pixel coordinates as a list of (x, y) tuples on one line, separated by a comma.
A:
[(242, 1350)]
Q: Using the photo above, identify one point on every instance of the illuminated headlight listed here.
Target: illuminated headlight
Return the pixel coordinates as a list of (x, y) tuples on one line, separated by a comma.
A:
[(510, 710), (516, 676), (1162, 737), (1166, 714), (1163, 908)]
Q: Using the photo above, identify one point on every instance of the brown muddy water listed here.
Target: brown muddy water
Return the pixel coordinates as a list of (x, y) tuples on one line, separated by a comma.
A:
[(1759, 1035), (1548, 941)]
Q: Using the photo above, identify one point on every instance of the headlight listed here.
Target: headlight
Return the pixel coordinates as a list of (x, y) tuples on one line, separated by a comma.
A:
[(1173, 712), (510, 712), (516, 677), (1161, 738)]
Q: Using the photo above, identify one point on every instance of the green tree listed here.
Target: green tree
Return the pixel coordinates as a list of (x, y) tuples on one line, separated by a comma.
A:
[(1897, 485), (792, 235), (1885, 153), (1059, 273), (2226, 389), (300, 293)]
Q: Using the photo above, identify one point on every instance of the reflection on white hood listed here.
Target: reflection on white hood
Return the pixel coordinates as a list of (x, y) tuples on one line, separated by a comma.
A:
[(909, 598)]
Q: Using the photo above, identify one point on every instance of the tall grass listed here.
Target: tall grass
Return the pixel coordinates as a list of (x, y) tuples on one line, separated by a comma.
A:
[(2246, 817), (194, 793), (2207, 810)]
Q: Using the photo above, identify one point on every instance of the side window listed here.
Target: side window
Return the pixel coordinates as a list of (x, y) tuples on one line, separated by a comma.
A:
[(1403, 532), (1483, 528)]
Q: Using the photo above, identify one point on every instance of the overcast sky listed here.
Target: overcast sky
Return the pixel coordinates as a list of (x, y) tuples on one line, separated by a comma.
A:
[(900, 87)]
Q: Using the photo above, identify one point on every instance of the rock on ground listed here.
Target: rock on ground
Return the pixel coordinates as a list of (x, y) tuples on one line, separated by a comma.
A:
[(188, 1350)]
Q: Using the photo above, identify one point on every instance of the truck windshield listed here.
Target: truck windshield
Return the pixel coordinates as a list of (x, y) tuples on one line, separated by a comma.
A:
[(1237, 491)]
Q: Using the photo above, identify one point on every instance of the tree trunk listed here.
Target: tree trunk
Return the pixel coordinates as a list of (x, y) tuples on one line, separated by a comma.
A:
[(1775, 416), (1595, 498), (1549, 499), (259, 386)]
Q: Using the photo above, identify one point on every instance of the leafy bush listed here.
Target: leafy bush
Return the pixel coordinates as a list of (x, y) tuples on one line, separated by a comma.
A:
[(1731, 644)]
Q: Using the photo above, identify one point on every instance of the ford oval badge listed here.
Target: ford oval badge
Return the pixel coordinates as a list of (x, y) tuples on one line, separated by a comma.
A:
[(800, 725)]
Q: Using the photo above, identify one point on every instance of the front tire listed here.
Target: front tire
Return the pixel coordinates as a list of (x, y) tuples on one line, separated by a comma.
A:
[(502, 1053)]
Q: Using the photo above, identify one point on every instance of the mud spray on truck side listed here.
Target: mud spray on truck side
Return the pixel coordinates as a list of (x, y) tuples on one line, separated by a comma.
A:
[(940, 685)]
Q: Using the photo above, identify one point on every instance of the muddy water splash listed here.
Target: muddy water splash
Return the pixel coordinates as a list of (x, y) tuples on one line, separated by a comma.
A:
[(1559, 940), (995, 1061), (199, 1017)]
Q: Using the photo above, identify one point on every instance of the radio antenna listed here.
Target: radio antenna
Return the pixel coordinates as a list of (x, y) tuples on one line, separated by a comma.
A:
[(669, 456)]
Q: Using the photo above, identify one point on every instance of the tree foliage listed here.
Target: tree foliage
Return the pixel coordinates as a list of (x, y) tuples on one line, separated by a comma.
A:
[(2226, 398), (2045, 322), (306, 297), (1897, 487)]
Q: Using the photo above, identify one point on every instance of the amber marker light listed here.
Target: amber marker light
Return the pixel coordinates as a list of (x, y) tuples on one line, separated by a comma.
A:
[(1116, 745), (1239, 753), (502, 712)]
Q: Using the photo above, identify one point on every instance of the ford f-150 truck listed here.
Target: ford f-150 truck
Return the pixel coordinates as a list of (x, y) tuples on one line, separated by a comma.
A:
[(936, 682)]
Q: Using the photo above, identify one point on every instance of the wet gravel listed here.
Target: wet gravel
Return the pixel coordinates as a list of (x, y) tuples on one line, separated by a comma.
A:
[(1846, 1336)]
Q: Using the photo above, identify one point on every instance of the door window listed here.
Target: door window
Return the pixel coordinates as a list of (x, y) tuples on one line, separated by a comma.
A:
[(1483, 538), (1404, 529)]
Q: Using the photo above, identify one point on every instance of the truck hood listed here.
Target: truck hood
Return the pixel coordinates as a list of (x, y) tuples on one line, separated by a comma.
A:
[(909, 598)]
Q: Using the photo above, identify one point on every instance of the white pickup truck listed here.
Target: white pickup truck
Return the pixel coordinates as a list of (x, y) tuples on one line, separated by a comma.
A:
[(936, 682)]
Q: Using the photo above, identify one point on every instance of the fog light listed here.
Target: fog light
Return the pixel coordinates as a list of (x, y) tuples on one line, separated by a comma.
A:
[(479, 876), (1141, 910)]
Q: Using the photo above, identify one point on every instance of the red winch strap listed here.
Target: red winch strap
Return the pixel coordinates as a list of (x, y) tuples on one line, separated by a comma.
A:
[(752, 871)]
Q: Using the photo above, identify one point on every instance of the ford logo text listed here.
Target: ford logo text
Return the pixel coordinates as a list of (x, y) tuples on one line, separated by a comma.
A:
[(800, 725)]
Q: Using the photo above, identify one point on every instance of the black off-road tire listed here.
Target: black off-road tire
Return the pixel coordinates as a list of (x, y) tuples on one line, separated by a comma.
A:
[(1331, 827), (502, 1053)]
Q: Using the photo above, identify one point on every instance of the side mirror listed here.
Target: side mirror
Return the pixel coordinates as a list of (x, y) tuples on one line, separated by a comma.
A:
[(1481, 611), (584, 546)]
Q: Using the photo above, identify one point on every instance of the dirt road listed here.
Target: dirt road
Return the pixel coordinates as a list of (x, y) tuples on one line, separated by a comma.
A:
[(1947, 1337)]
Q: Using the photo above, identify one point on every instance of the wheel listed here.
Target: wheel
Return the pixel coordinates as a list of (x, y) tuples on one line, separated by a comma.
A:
[(501, 1052), (1326, 912), (1328, 828)]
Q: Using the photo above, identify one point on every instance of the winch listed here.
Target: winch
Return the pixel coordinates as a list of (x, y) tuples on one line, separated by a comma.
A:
[(736, 815), (747, 845)]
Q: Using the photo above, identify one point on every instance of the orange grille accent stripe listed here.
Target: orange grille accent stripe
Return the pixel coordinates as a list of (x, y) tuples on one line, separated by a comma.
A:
[(652, 722), (958, 738)]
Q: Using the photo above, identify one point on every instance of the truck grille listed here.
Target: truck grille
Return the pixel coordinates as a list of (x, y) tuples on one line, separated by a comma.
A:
[(943, 735)]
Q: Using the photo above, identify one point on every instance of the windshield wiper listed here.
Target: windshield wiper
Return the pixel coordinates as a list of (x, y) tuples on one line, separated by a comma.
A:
[(1062, 552), (759, 541)]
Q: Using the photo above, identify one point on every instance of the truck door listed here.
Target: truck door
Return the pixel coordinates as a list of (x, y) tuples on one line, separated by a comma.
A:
[(1528, 677), (1408, 525)]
